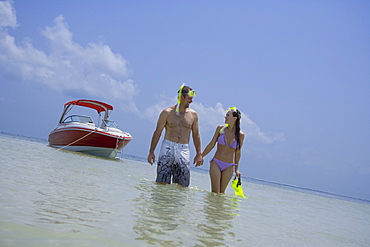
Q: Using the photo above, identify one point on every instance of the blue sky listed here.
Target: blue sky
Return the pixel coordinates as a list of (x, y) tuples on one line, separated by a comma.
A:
[(298, 70)]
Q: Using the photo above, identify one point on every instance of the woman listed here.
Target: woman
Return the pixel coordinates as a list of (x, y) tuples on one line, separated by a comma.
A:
[(226, 159)]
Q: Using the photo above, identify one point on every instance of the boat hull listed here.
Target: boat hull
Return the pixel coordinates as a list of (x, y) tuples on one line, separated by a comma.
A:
[(91, 140)]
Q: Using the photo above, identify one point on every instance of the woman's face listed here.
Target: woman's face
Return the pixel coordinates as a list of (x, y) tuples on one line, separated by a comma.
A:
[(229, 117)]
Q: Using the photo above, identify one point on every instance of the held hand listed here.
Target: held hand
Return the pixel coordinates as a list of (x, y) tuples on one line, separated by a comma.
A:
[(151, 159), (198, 160), (199, 163), (238, 174)]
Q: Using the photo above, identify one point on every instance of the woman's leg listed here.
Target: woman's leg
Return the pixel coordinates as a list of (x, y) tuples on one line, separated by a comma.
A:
[(215, 175), (225, 178)]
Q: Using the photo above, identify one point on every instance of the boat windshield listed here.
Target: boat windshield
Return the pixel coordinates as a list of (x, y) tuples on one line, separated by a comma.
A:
[(78, 118), (110, 123)]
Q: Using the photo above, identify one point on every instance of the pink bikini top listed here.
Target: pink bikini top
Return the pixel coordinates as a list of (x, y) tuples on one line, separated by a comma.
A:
[(222, 141)]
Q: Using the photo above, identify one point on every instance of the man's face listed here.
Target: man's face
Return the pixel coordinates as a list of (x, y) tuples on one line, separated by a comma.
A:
[(187, 100)]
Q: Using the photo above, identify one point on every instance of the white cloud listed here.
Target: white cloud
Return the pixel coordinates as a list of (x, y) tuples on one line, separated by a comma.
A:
[(7, 14), (93, 70), (253, 131), (152, 112), (210, 117)]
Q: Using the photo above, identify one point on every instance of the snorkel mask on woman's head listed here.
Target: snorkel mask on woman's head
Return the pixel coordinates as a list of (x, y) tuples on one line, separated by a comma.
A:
[(234, 109), (191, 93)]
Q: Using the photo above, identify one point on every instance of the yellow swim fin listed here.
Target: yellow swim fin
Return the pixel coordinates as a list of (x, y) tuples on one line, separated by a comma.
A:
[(237, 186)]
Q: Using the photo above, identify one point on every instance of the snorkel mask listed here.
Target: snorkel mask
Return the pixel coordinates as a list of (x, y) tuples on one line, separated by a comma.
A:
[(191, 93), (233, 109)]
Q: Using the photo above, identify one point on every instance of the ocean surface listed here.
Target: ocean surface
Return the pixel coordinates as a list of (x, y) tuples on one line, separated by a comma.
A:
[(61, 198)]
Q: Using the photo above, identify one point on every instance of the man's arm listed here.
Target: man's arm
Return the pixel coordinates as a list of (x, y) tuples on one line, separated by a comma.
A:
[(196, 139), (156, 135)]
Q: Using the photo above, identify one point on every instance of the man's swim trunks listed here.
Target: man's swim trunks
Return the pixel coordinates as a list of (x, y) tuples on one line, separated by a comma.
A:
[(174, 162)]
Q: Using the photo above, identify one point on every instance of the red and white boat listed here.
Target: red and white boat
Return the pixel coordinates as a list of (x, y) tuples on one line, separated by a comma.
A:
[(79, 133)]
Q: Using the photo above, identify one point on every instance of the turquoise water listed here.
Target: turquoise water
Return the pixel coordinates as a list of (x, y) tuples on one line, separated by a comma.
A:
[(60, 198)]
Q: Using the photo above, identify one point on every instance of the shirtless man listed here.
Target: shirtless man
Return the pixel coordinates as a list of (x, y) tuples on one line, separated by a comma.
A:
[(174, 157)]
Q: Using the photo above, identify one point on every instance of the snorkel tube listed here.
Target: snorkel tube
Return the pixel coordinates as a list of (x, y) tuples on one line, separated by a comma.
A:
[(178, 99)]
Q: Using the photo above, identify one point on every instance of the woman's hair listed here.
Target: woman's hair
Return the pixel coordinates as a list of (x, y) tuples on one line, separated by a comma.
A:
[(238, 116)]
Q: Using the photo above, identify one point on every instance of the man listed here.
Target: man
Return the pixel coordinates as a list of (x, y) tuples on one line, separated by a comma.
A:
[(174, 157)]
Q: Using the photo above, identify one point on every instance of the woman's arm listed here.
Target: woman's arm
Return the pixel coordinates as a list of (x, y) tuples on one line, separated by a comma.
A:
[(238, 155), (212, 143)]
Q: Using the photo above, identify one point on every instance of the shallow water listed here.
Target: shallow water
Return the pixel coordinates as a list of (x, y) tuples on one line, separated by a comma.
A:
[(60, 198)]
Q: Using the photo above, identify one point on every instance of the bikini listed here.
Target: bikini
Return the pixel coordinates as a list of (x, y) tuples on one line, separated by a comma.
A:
[(222, 141)]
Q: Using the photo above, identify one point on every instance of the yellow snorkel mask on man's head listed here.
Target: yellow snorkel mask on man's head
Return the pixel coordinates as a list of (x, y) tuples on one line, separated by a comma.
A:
[(191, 93)]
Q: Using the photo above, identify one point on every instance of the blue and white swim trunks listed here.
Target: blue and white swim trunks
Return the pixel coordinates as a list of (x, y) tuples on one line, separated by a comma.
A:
[(174, 162)]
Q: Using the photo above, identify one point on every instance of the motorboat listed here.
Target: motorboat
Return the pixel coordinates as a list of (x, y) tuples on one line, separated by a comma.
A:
[(80, 133)]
